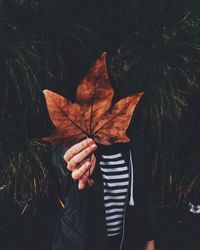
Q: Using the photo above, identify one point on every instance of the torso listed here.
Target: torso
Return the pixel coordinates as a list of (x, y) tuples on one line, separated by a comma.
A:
[(115, 173)]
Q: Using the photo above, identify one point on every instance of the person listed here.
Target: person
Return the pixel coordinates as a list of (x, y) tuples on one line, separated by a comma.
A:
[(108, 197)]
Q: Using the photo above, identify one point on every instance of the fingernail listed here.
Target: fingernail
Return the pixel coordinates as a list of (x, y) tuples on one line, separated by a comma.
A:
[(90, 141), (94, 146)]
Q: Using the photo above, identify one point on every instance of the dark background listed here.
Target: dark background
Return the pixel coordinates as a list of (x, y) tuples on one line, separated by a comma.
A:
[(153, 46)]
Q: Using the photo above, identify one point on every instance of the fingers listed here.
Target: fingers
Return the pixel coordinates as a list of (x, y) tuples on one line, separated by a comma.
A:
[(93, 161), (86, 177), (86, 168), (82, 182), (79, 172), (90, 182), (75, 149), (78, 158), (77, 162)]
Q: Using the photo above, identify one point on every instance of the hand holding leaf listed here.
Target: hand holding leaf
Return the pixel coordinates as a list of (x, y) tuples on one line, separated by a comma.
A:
[(92, 115), (81, 161)]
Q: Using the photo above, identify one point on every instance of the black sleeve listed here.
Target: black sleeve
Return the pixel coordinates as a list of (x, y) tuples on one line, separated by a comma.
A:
[(150, 227), (57, 152)]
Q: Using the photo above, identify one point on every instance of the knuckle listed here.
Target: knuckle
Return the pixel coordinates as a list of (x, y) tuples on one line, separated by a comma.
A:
[(86, 143), (73, 162), (83, 144), (87, 166), (74, 175), (69, 167), (66, 157), (72, 151), (87, 151)]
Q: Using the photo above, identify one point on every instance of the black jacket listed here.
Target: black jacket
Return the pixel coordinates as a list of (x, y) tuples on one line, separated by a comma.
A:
[(81, 224)]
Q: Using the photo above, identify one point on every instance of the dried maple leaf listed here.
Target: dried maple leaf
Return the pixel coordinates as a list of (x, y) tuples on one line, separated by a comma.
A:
[(92, 115)]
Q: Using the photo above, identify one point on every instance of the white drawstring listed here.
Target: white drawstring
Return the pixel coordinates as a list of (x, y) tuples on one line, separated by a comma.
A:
[(131, 201)]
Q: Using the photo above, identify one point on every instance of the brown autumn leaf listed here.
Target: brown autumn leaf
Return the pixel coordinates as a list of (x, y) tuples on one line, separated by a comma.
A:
[(92, 115)]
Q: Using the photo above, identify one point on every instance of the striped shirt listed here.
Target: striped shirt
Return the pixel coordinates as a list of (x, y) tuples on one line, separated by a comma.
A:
[(115, 180)]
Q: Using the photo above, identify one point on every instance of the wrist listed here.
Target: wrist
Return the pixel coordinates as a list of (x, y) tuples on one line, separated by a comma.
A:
[(150, 245)]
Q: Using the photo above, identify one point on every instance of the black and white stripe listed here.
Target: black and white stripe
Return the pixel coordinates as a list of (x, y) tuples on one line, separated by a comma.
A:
[(115, 180)]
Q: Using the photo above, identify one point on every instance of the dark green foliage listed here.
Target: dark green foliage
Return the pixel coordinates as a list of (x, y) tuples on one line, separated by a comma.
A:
[(163, 61)]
